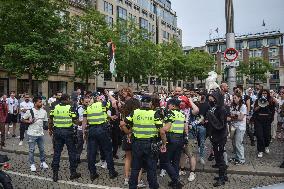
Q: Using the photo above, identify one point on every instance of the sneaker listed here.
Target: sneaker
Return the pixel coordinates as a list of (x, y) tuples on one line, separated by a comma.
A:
[(75, 175), (282, 165), (239, 163), (13, 135), (104, 165), (141, 184), (202, 161), (233, 160), (8, 133), (113, 175), (44, 165), (99, 164), (266, 150), (33, 168), (219, 182), (163, 173), (191, 177), (260, 154), (126, 180), (21, 143), (182, 173)]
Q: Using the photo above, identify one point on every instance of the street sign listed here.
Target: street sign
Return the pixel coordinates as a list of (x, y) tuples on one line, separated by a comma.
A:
[(231, 64), (231, 54)]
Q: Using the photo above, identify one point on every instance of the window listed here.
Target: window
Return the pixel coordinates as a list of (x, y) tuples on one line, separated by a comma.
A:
[(144, 24), (109, 21), (274, 62), (121, 13), (212, 48), (275, 74), (166, 35), (108, 7), (273, 52), (255, 44), (273, 41), (223, 47), (255, 53), (239, 45)]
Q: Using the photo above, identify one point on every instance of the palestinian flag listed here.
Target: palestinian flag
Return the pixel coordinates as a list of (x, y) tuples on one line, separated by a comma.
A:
[(112, 63)]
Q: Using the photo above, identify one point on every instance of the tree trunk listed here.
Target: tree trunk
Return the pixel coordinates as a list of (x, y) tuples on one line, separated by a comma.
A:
[(137, 86), (30, 84)]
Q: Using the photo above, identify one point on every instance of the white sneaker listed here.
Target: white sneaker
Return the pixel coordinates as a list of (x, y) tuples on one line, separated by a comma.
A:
[(8, 133), (33, 168), (141, 184), (163, 173), (99, 164), (260, 154), (202, 161), (44, 165), (267, 150), (104, 165), (126, 180), (182, 173), (21, 143), (191, 177)]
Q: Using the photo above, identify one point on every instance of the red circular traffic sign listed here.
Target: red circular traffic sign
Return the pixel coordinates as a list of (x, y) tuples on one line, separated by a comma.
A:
[(231, 54)]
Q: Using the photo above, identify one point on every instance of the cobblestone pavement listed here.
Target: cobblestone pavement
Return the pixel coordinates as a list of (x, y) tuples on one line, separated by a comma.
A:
[(268, 164), (24, 179)]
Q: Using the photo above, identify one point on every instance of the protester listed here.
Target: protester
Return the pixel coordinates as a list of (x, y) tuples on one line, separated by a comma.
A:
[(3, 118), (13, 107)]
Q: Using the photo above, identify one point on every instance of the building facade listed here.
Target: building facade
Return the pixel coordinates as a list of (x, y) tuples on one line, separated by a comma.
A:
[(154, 15), (267, 45)]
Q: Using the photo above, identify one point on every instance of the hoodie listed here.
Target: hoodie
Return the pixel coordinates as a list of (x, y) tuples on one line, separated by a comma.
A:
[(218, 130)]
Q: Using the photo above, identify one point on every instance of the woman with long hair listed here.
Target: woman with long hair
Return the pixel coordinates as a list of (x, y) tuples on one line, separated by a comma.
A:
[(238, 119), (127, 104), (264, 109)]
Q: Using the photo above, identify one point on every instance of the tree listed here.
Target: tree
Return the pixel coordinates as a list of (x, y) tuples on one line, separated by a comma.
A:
[(199, 63), (90, 36), (172, 63), (136, 53), (34, 37), (255, 68)]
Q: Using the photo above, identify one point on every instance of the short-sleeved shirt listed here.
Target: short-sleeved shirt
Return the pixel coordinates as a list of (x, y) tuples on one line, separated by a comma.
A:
[(80, 110), (13, 104), (25, 105), (240, 124), (36, 129)]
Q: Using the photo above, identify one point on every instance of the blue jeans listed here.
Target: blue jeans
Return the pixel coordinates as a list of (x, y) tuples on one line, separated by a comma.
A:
[(238, 145), (201, 137), (99, 137), (142, 157), (32, 141)]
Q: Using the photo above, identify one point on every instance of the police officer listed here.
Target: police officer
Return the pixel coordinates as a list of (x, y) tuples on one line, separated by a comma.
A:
[(61, 127), (98, 136), (145, 124), (173, 134)]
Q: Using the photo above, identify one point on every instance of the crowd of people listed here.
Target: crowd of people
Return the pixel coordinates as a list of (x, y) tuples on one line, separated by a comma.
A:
[(158, 130)]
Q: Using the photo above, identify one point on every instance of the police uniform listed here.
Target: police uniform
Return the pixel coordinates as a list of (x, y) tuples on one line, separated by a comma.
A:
[(145, 125), (175, 138), (98, 137), (63, 134)]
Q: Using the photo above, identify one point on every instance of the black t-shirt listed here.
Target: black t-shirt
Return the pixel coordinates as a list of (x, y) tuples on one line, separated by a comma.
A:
[(203, 108)]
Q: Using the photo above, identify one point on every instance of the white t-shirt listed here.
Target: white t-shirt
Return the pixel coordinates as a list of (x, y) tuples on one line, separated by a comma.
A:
[(12, 105), (241, 124), (51, 100), (36, 129), (26, 105), (80, 113)]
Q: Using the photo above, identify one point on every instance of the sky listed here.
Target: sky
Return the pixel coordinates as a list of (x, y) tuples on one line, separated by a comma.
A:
[(197, 17)]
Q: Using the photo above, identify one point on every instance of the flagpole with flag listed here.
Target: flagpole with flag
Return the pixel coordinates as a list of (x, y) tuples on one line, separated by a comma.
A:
[(112, 62)]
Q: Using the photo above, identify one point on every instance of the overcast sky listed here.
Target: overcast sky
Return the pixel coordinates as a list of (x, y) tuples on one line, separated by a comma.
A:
[(197, 17)]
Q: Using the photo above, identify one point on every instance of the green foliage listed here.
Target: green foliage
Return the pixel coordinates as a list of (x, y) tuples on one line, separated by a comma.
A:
[(199, 63), (135, 52), (90, 35), (34, 37), (256, 68)]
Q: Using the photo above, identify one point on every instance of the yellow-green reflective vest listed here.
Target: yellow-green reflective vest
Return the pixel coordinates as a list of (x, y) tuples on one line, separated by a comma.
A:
[(62, 116), (178, 122), (95, 114), (144, 124)]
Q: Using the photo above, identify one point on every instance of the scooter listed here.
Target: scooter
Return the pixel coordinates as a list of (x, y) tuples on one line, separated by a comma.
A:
[(5, 179)]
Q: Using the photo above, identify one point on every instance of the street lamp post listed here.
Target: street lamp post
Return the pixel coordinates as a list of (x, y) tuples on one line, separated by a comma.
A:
[(230, 40)]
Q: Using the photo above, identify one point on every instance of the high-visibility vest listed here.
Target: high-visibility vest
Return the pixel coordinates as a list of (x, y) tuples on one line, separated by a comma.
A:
[(95, 114), (178, 122), (62, 116), (144, 124)]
